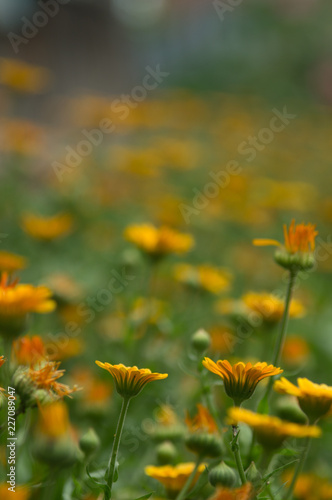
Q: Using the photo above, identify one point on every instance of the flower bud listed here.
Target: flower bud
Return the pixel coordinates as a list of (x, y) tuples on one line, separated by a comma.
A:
[(201, 340), (166, 453), (205, 445), (253, 475), (286, 410), (222, 475), (61, 453), (89, 442), (294, 262)]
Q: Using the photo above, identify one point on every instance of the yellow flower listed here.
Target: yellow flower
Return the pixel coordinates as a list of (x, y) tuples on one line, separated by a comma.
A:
[(271, 431), (246, 492), (158, 242), (129, 381), (299, 244), (205, 276), (21, 492), (202, 421), (17, 300), (310, 487), (23, 77), (54, 420), (47, 228), (29, 350), (10, 262), (270, 307), (315, 400), (240, 380), (174, 477)]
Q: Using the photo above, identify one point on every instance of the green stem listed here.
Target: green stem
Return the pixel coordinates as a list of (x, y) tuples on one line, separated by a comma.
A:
[(298, 468), (263, 406), (110, 473), (236, 450), (182, 494)]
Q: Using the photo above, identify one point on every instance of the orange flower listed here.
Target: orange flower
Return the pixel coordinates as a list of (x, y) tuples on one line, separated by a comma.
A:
[(46, 378), (29, 350), (246, 492), (295, 351), (297, 251), (129, 381), (54, 420), (240, 380), (202, 421)]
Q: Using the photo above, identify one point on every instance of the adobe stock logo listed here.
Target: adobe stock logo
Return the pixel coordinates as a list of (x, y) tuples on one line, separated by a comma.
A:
[(30, 28)]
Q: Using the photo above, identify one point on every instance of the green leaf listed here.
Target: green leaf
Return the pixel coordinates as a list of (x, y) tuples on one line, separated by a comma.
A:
[(145, 497), (266, 478)]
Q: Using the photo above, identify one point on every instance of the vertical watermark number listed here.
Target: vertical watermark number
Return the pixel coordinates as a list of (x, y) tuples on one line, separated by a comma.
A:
[(11, 440)]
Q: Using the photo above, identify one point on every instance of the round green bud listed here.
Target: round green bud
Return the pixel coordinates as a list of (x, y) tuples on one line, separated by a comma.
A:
[(61, 453), (166, 453), (205, 445), (286, 410), (222, 475), (201, 341), (89, 442), (168, 433), (253, 475)]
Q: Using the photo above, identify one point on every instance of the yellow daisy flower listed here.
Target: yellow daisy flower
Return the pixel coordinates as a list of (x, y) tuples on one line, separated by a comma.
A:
[(271, 431), (315, 400), (10, 262), (23, 77), (206, 277), (240, 380), (174, 477), (158, 242), (47, 228), (129, 381), (299, 244), (270, 307), (17, 300)]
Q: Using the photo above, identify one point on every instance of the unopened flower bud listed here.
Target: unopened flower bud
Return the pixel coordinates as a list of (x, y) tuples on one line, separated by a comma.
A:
[(205, 445), (201, 340), (222, 475), (89, 442), (253, 475), (166, 453)]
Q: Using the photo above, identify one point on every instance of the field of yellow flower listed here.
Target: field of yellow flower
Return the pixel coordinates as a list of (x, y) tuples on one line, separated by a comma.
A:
[(165, 296)]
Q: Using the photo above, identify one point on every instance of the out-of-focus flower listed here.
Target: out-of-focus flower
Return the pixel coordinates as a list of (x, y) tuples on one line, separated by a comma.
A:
[(245, 492), (64, 288), (299, 244), (18, 300), (271, 431), (315, 400), (202, 438), (22, 137), (54, 420), (158, 242), (47, 378), (295, 351), (222, 338), (206, 277), (9, 262), (174, 477), (310, 486), (23, 77), (240, 380), (271, 307), (202, 421), (47, 228), (21, 492), (129, 381), (29, 350)]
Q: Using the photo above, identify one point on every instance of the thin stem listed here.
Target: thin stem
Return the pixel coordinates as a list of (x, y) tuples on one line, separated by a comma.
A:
[(110, 473), (263, 406), (182, 494), (298, 468), (236, 450)]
